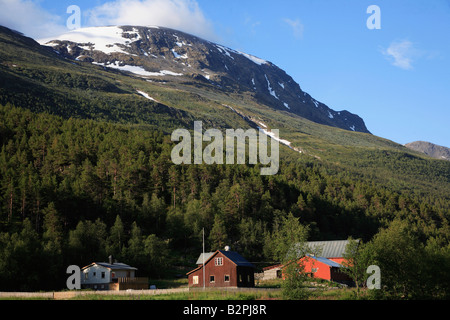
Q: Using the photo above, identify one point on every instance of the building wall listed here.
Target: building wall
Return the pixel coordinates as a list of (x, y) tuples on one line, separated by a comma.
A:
[(246, 277), (339, 276), (273, 273), (324, 271), (95, 274), (316, 268)]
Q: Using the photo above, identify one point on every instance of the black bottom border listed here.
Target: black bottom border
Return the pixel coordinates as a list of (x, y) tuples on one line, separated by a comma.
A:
[(212, 309)]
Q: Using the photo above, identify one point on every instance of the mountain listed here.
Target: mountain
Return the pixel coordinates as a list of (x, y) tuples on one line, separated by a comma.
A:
[(430, 149), (152, 52), (72, 79)]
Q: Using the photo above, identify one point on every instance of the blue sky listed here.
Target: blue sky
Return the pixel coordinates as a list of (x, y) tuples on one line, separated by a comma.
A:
[(396, 78)]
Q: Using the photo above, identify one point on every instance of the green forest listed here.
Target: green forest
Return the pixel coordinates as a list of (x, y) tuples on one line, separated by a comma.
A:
[(74, 191)]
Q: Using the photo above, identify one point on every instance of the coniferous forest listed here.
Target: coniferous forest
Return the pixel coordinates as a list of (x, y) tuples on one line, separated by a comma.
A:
[(74, 191)]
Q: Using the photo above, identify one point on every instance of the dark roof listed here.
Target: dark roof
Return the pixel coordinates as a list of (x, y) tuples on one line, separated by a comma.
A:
[(236, 258)]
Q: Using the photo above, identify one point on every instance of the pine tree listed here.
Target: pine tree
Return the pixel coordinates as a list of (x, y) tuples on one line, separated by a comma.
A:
[(218, 237)]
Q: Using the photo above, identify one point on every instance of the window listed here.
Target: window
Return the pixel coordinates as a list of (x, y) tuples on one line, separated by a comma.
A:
[(219, 261), (226, 278), (94, 274), (211, 279), (103, 275), (195, 280), (86, 275), (313, 270)]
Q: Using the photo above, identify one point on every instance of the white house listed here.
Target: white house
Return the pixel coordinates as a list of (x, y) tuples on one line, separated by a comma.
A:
[(106, 275)]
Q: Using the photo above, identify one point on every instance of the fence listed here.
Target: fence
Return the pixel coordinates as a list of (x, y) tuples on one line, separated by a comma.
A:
[(138, 283)]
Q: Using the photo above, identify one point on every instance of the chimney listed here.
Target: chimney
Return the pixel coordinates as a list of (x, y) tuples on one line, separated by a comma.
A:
[(110, 259)]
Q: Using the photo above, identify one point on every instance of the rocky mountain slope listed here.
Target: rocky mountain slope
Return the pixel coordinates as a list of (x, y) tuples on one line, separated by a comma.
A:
[(155, 52), (430, 149)]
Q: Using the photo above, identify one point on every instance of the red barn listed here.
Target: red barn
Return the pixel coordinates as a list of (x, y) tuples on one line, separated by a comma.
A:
[(325, 260), (326, 263), (223, 268), (324, 268)]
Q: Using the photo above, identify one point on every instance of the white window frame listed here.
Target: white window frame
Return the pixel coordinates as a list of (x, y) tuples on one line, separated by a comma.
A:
[(218, 261)]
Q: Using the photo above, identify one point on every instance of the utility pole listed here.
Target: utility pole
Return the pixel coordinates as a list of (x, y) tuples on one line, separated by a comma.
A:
[(203, 258)]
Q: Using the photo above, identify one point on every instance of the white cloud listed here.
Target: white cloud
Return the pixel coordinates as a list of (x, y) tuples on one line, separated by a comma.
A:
[(183, 15), (297, 27), (401, 53), (29, 18)]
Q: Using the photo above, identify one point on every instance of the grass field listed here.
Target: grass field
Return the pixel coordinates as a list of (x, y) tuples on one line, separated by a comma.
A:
[(274, 294), (177, 290)]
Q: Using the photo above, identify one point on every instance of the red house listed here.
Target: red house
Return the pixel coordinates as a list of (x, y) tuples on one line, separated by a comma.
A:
[(222, 268)]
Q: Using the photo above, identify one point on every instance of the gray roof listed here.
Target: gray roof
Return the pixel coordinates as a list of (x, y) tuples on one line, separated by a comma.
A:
[(114, 266), (329, 249), (207, 256)]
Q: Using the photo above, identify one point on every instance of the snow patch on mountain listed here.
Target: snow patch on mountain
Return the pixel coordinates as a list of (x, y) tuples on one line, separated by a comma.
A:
[(228, 51), (105, 39), (256, 60), (178, 56), (273, 136), (263, 127), (137, 70), (145, 95), (225, 51), (133, 69), (134, 33), (269, 87)]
